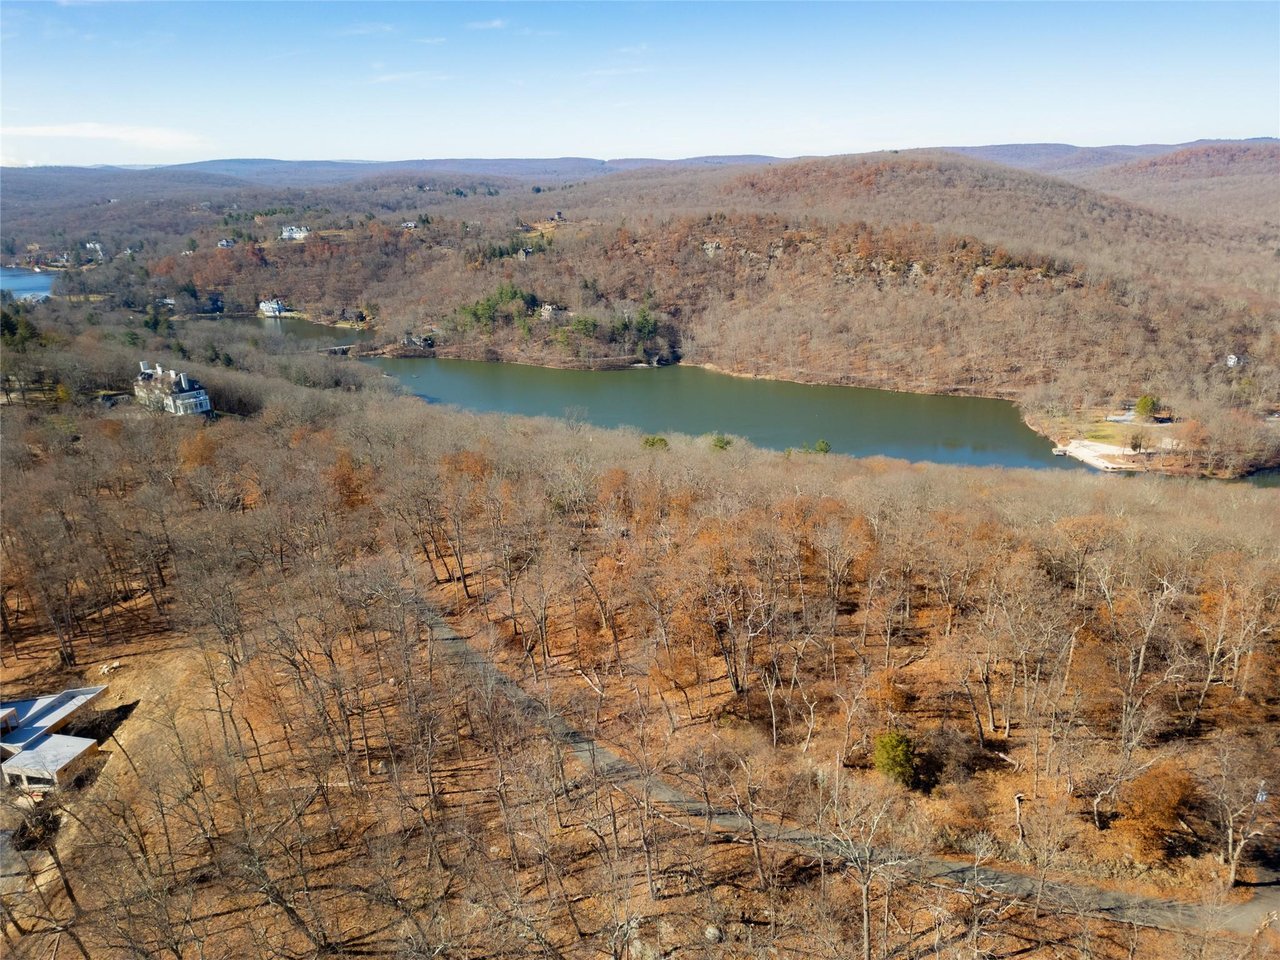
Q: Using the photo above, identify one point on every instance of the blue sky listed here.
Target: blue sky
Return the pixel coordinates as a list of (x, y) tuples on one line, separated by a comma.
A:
[(136, 83)]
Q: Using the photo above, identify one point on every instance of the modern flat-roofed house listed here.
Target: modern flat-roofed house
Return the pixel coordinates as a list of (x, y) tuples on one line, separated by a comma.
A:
[(162, 389), (271, 308), (33, 755), (294, 233)]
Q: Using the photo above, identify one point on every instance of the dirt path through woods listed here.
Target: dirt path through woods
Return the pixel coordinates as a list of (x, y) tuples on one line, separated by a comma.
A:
[(684, 809)]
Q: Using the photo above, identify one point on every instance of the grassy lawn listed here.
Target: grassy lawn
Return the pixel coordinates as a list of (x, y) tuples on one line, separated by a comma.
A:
[(1094, 425), (1104, 431)]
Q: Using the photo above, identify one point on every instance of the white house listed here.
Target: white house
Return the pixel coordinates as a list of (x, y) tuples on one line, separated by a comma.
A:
[(33, 754), (170, 390), (271, 308), (294, 233)]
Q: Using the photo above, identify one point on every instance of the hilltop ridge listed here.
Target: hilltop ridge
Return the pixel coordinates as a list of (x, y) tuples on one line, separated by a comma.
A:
[(923, 270)]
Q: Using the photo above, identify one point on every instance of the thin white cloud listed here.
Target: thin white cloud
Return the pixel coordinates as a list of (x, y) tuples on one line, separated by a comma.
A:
[(152, 138), (406, 76), (639, 48), (486, 24), (431, 40), (366, 30), (617, 71)]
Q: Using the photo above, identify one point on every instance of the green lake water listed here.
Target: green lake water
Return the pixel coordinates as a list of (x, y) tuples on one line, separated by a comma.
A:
[(306, 330), (769, 413)]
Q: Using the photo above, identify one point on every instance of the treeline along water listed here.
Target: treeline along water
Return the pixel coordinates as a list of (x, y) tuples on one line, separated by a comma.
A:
[(302, 329), (770, 413)]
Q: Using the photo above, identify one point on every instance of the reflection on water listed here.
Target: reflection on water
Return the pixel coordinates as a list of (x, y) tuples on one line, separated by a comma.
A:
[(306, 330)]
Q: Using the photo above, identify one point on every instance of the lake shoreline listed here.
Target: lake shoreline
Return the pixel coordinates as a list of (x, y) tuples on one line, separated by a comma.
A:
[(862, 384), (1137, 463), (493, 355), (1073, 446), (781, 415), (24, 283)]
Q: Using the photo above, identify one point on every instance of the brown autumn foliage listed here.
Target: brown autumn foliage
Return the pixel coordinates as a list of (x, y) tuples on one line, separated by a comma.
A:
[(677, 660), (920, 270), (1152, 807), (314, 767), (897, 306), (1224, 185)]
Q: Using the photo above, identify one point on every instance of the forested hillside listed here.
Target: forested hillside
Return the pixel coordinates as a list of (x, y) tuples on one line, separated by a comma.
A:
[(1067, 160), (920, 270), (1229, 186), (390, 680)]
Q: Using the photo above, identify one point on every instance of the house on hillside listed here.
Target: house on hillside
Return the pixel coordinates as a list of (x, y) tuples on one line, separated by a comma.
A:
[(226, 243), (170, 391), (294, 233), (33, 754), (271, 308)]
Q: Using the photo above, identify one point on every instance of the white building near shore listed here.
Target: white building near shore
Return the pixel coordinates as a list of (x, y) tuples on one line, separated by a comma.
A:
[(169, 390)]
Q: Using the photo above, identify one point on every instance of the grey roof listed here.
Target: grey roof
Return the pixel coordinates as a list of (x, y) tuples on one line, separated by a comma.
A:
[(45, 714), (33, 747), (168, 382), (48, 754)]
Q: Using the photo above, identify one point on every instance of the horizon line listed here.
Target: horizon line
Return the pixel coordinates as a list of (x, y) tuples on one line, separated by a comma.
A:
[(630, 159)]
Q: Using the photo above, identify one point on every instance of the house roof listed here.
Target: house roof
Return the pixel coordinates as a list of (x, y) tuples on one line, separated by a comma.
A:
[(170, 381), (48, 754), (45, 714), (33, 748)]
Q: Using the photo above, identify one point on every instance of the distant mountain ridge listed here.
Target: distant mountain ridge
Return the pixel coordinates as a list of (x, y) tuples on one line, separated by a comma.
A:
[(1212, 159), (1064, 158), (1054, 159), (1230, 186), (266, 171), (1086, 215)]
